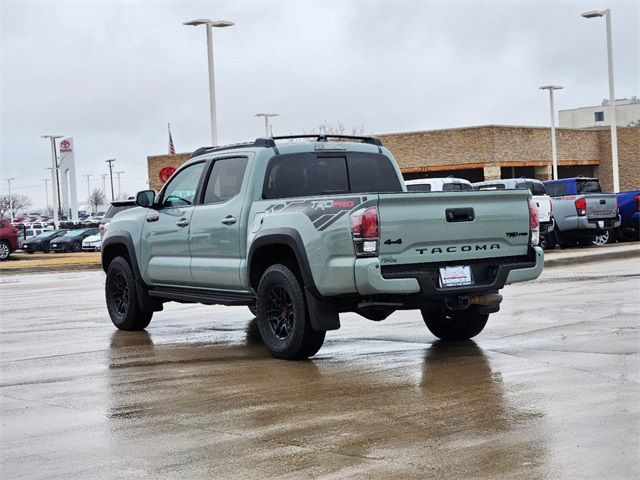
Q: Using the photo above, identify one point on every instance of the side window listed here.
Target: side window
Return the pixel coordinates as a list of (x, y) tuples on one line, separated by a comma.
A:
[(290, 176), (181, 191), (331, 175), (225, 180)]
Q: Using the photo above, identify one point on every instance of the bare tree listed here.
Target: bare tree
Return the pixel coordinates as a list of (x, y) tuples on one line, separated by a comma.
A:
[(122, 196), (18, 202), (96, 199), (337, 129)]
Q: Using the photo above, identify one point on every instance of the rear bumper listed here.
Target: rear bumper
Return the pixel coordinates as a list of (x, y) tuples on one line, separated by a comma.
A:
[(547, 227), (489, 275), (598, 224)]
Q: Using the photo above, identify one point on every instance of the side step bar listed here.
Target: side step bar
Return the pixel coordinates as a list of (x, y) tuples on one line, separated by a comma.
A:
[(208, 297)]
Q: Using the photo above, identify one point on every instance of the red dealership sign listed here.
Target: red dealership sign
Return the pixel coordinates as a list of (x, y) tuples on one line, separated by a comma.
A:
[(165, 173)]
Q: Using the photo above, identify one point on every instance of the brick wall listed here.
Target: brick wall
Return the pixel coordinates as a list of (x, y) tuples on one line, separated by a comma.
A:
[(155, 163), (492, 147), (628, 159)]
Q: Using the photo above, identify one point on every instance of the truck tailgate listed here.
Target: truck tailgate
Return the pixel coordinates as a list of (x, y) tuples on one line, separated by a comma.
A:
[(601, 206), (452, 226)]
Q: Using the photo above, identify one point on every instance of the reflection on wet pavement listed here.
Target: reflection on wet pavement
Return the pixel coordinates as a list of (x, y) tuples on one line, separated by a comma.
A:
[(540, 394)]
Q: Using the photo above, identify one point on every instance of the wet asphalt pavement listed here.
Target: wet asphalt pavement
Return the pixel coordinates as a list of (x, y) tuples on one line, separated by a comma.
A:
[(550, 389)]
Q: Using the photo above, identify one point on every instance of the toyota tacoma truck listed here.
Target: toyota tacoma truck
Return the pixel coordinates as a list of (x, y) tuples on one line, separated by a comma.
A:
[(582, 212), (304, 228)]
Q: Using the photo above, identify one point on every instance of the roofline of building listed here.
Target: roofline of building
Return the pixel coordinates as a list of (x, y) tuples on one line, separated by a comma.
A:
[(629, 100), (475, 127)]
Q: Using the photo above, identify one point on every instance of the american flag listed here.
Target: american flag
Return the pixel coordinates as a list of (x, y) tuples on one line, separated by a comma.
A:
[(172, 149)]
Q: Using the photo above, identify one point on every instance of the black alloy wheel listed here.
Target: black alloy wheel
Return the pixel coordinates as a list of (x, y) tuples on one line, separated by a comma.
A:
[(280, 312), (77, 246), (283, 319), (122, 297)]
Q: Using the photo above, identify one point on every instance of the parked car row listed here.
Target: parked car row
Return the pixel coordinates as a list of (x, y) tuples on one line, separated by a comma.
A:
[(73, 236), (572, 211)]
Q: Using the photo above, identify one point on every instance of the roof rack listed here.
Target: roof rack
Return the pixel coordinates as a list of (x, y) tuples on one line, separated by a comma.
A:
[(270, 142), (321, 137), (202, 150)]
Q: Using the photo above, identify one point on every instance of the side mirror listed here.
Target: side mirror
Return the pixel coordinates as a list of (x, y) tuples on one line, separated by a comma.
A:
[(145, 198)]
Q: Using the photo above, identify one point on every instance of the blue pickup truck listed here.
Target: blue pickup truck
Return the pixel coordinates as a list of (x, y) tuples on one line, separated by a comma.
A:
[(629, 205)]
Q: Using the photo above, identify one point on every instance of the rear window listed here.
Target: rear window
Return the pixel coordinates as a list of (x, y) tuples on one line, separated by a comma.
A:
[(456, 187), (493, 186), (536, 188), (588, 186), (421, 187), (308, 174), (113, 209), (556, 189)]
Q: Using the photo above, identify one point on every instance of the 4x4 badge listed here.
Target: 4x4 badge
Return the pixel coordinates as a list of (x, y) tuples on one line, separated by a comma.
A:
[(393, 242)]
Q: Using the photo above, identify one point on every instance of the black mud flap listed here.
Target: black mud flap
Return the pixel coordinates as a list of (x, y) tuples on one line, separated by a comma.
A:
[(323, 316)]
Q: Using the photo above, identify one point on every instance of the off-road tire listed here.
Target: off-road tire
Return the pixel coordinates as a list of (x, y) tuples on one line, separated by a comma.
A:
[(253, 309), (5, 250), (283, 319), (454, 325), (122, 299)]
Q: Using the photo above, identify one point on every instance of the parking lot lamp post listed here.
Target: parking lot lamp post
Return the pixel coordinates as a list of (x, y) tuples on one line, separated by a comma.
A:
[(267, 126), (209, 24), (54, 180), (554, 150), (119, 189), (110, 162), (46, 192), (10, 199), (612, 97)]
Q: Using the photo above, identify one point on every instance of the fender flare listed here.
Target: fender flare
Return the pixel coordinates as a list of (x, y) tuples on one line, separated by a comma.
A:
[(323, 315)]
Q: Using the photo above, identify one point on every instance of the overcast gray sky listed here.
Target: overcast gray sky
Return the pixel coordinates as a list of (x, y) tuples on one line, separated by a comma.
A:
[(112, 74)]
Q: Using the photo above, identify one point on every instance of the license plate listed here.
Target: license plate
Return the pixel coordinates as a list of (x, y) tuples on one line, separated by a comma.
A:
[(455, 276), (54, 244)]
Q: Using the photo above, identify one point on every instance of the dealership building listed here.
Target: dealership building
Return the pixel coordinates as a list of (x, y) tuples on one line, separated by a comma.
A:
[(492, 152)]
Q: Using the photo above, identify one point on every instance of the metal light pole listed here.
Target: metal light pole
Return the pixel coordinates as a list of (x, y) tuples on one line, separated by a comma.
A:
[(119, 189), (267, 127), (554, 150), (10, 198), (110, 162), (54, 180), (46, 192), (209, 24), (88, 176), (612, 97)]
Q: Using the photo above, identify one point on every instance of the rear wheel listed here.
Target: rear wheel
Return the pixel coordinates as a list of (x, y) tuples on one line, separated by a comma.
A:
[(5, 250), (452, 325), (283, 319), (122, 299), (253, 309), (608, 236), (77, 246), (548, 241)]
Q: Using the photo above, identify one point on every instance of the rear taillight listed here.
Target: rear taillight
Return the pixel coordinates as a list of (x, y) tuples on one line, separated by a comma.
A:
[(364, 230), (581, 206), (637, 197), (534, 224)]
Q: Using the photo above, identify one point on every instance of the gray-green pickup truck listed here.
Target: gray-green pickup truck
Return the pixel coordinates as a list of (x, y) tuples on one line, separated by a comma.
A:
[(302, 229)]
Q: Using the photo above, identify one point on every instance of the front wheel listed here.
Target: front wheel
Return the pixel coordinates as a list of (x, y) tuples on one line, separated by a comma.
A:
[(122, 299), (450, 325), (283, 319)]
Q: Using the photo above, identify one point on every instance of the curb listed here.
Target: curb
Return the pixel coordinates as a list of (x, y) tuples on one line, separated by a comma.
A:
[(589, 258), (53, 269)]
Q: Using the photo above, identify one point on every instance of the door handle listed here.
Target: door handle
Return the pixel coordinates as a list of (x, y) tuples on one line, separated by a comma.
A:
[(183, 222), (229, 220)]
